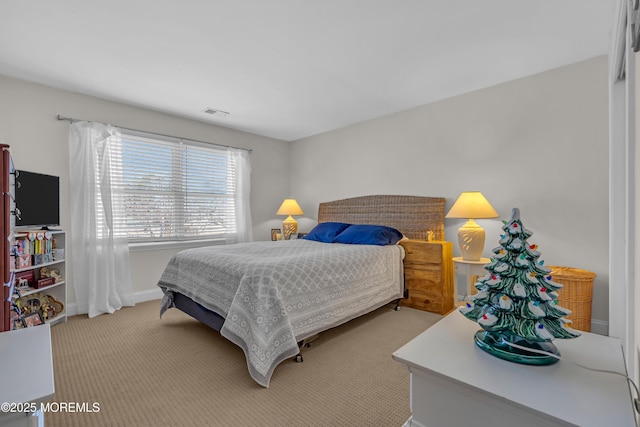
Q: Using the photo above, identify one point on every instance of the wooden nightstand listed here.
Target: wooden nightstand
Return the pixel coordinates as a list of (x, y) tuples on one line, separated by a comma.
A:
[(428, 275)]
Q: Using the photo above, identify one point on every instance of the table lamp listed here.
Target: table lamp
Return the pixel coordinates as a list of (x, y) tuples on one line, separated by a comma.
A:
[(471, 205), (289, 225)]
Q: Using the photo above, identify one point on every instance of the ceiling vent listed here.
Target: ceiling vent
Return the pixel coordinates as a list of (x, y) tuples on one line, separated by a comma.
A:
[(214, 112)]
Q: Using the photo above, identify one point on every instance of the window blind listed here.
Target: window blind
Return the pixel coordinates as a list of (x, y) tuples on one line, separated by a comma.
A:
[(174, 189)]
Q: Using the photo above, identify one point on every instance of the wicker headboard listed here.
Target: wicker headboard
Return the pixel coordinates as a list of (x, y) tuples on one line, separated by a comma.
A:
[(413, 216)]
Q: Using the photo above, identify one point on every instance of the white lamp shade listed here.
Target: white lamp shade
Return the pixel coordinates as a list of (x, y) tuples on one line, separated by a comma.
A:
[(472, 204)]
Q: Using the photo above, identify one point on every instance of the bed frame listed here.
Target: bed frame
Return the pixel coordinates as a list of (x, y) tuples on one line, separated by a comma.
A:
[(413, 216)]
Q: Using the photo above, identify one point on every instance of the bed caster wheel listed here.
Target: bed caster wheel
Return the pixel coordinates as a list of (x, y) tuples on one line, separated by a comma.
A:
[(299, 358)]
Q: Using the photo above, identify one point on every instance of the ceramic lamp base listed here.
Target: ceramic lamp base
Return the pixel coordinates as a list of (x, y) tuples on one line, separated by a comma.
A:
[(289, 227), (497, 344), (471, 241)]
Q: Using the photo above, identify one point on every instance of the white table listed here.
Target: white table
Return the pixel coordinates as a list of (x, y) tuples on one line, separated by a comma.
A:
[(455, 383), (471, 270), (26, 373)]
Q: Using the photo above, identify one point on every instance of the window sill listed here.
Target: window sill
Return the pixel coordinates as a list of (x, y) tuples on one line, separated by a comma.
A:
[(159, 246)]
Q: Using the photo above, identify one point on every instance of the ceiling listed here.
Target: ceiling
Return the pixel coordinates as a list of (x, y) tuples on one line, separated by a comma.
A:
[(288, 69)]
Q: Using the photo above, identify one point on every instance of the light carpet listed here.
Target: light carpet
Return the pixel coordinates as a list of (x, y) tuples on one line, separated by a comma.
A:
[(144, 371)]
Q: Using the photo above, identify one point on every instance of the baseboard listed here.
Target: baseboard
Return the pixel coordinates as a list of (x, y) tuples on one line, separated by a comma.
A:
[(72, 309), (138, 297), (600, 327), (148, 295)]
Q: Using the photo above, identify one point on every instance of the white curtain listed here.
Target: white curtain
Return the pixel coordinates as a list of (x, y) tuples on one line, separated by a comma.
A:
[(239, 159), (100, 253)]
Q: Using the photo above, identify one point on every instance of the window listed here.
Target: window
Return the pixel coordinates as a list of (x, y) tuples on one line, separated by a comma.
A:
[(175, 189)]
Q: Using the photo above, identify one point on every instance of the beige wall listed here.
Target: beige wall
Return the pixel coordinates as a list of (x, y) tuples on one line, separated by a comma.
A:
[(39, 143), (539, 143)]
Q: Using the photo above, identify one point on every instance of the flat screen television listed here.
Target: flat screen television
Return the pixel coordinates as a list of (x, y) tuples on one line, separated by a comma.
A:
[(38, 199)]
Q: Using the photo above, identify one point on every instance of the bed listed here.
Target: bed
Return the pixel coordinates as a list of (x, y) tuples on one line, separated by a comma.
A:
[(268, 297)]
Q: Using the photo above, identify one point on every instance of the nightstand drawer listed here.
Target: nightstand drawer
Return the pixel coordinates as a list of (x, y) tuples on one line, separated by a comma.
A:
[(421, 254), (431, 300), (428, 275), (423, 278)]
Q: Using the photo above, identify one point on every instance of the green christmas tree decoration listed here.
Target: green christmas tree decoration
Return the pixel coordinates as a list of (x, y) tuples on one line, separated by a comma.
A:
[(517, 302)]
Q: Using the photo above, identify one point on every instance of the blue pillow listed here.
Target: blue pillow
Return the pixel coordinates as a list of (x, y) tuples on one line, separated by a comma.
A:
[(364, 234), (326, 231)]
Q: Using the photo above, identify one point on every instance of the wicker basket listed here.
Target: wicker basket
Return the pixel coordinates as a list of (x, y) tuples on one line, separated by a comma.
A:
[(576, 294)]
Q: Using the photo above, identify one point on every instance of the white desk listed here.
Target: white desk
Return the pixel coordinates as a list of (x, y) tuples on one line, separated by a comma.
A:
[(471, 270), (455, 383), (26, 372)]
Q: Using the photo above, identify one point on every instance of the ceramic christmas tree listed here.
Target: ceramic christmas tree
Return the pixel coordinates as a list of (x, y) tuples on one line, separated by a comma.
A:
[(517, 303)]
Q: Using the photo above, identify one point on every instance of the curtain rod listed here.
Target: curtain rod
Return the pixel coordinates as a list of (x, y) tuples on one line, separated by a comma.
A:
[(72, 120)]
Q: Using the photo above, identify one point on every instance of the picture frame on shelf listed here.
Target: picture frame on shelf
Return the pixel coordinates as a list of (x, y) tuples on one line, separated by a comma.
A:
[(33, 319), (276, 234)]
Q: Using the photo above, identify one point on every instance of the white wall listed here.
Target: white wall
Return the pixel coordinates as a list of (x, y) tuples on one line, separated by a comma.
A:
[(539, 143), (39, 143), (635, 354)]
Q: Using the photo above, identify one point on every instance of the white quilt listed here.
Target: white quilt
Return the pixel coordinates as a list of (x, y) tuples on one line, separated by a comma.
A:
[(274, 294)]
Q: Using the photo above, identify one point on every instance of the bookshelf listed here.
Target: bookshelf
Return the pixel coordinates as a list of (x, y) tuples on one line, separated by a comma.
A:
[(39, 268)]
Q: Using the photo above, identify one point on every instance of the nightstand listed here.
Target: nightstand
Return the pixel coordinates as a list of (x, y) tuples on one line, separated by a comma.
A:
[(428, 275), (471, 270)]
